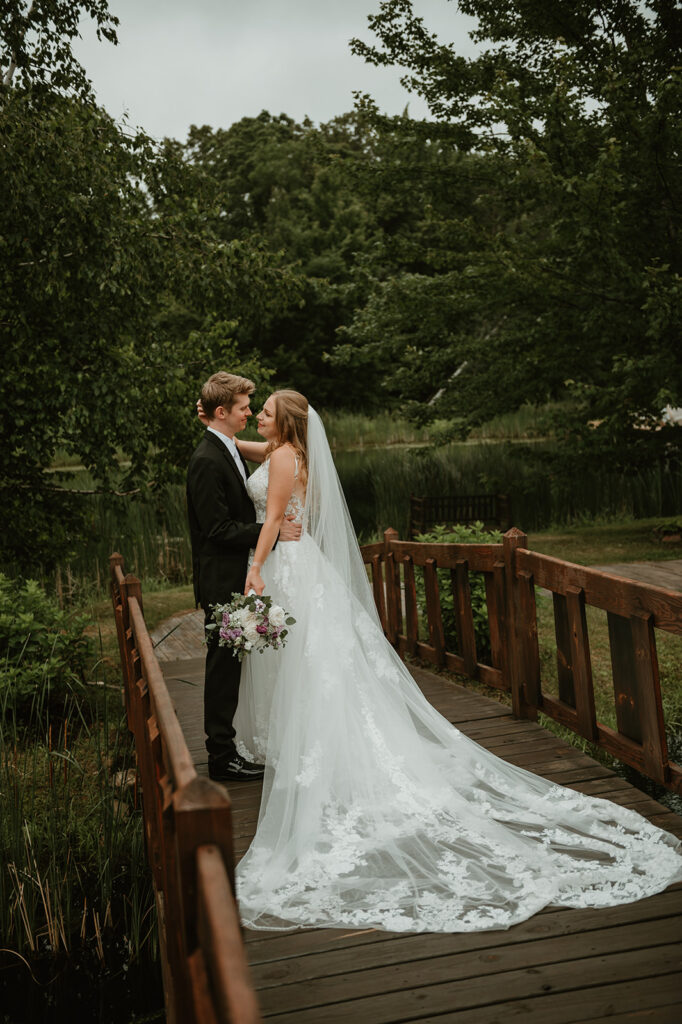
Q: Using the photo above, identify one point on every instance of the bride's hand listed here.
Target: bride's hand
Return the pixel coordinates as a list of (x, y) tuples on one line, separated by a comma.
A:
[(254, 581), (201, 414)]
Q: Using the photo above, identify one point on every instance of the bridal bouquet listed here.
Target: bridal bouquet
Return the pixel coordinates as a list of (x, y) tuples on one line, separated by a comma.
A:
[(250, 623)]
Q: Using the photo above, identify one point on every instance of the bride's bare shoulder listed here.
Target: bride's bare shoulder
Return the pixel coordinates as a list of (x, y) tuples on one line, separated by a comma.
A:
[(283, 456)]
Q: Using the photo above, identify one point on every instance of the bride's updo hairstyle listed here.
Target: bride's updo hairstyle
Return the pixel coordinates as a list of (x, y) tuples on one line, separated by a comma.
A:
[(291, 421)]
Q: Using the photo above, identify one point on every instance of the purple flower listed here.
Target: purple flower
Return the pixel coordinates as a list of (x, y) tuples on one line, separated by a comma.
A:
[(226, 618), (261, 629)]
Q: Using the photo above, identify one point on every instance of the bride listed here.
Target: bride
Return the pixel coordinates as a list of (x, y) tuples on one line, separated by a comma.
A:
[(376, 811)]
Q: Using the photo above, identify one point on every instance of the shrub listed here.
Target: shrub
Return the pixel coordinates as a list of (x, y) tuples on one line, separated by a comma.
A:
[(43, 650), (460, 534)]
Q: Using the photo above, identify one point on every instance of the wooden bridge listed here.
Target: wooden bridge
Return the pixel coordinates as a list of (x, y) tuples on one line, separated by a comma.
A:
[(621, 963)]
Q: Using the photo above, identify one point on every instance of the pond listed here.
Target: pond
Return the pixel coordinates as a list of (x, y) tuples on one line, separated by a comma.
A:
[(378, 482)]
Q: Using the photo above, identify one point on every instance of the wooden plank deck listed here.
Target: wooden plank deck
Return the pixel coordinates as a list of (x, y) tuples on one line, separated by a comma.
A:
[(617, 964), (667, 574)]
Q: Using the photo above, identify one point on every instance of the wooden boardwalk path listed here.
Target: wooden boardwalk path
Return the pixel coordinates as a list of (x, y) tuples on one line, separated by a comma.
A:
[(666, 574), (617, 964)]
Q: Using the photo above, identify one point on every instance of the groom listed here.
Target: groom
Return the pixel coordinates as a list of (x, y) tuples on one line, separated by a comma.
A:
[(223, 528)]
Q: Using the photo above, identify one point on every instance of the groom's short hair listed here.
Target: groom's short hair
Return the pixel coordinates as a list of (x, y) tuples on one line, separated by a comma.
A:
[(222, 389)]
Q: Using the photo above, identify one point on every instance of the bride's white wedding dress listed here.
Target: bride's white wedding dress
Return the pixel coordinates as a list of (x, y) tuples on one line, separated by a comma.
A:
[(376, 811)]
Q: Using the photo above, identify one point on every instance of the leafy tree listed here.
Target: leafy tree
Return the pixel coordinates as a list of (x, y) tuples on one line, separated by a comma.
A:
[(35, 43), (89, 253), (565, 278), (294, 189)]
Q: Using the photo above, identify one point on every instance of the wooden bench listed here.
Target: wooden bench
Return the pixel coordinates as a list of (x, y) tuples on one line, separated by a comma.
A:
[(493, 510)]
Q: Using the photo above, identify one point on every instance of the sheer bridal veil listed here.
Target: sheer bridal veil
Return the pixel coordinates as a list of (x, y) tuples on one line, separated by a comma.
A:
[(376, 811)]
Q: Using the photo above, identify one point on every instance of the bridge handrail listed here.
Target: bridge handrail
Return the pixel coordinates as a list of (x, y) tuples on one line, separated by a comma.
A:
[(511, 572), (188, 834)]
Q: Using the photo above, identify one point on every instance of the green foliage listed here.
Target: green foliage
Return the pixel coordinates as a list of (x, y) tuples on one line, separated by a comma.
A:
[(543, 258), (95, 363), (43, 651), (523, 247), (35, 43), (71, 840), (294, 188), (474, 533)]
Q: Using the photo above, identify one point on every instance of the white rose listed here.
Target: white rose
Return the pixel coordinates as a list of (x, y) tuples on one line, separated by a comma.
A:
[(237, 617), (249, 622), (277, 616)]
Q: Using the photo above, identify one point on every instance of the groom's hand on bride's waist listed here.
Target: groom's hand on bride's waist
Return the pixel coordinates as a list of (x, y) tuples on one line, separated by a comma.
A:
[(289, 530)]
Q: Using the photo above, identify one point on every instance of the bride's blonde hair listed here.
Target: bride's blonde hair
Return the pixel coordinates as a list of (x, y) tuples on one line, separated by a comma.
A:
[(291, 421)]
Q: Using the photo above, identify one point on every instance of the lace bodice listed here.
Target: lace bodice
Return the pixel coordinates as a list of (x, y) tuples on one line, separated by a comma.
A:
[(257, 488)]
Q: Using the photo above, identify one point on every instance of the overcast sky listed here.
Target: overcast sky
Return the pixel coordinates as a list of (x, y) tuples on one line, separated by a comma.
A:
[(183, 62)]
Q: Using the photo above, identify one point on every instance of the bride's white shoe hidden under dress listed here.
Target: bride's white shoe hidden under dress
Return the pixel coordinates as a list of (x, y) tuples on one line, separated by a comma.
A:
[(377, 812)]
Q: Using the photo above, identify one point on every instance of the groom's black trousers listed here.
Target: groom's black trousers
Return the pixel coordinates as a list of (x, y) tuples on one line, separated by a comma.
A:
[(221, 693), (222, 523)]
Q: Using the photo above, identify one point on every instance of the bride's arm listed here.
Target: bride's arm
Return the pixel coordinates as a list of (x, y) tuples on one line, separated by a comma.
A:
[(254, 451), (280, 488)]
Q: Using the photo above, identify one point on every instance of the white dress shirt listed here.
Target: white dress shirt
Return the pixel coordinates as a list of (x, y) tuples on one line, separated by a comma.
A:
[(231, 446)]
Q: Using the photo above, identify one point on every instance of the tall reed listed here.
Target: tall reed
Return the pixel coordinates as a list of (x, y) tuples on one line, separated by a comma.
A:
[(73, 870)]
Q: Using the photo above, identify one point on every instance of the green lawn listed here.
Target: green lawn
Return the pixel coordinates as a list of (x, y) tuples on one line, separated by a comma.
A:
[(630, 540)]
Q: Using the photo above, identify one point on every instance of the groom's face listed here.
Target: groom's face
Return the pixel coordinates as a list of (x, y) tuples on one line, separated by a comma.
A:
[(235, 419)]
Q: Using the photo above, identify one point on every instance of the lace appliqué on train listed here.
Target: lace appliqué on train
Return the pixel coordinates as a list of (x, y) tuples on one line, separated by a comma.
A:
[(377, 813)]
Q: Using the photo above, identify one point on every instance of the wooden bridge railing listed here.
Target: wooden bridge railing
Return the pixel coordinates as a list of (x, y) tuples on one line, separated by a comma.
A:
[(188, 832), (510, 573)]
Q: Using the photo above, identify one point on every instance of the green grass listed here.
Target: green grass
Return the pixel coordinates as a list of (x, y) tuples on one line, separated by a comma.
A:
[(160, 602), (631, 540), (350, 431), (525, 423)]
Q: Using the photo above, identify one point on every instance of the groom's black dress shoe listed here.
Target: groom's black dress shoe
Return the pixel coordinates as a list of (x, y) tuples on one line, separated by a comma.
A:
[(231, 767)]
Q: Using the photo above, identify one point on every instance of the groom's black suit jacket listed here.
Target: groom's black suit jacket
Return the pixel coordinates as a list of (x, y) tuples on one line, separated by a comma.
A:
[(222, 522)]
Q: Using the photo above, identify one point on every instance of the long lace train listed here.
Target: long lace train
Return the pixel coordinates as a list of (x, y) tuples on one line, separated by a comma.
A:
[(377, 812)]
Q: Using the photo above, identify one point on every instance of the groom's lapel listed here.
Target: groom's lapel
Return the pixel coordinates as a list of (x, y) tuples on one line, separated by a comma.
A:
[(222, 448)]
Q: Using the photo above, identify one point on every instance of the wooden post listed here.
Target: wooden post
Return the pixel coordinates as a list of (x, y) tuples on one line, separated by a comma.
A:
[(564, 657), (393, 610), (202, 815), (518, 630), (433, 610), (221, 942), (494, 597), (118, 599), (624, 676), (411, 615), (654, 743), (529, 640), (378, 589), (125, 646), (466, 635), (581, 663)]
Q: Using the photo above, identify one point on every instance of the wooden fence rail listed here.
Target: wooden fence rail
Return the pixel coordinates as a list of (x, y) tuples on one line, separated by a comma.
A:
[(188, 833), (510, 574)]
